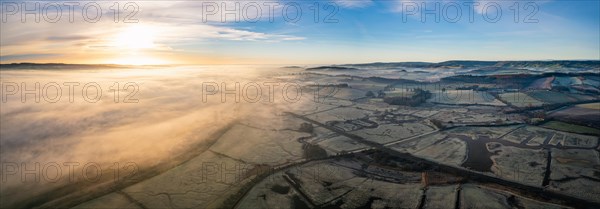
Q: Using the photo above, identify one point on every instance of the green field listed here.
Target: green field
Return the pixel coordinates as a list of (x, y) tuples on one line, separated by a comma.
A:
[(593, 106), (551, 97), (567, 127), (519, 99)]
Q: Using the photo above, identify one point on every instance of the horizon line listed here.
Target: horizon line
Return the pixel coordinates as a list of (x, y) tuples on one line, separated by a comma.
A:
[(290, 65)]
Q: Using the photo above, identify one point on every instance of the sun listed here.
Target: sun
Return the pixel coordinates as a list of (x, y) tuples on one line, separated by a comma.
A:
[(135, 37), (135, 45)]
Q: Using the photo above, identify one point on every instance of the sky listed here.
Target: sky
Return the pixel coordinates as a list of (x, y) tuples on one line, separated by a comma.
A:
[(297, 32)]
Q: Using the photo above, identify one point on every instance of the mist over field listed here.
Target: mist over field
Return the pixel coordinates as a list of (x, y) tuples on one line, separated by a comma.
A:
[(160, 116)]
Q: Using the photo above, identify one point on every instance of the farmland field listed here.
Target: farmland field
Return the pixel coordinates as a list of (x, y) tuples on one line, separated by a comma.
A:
[(551, 97), (561, 126), (465, 97), (520, 100), (566, 81), (542, 83), (593, 106), (580, 115)]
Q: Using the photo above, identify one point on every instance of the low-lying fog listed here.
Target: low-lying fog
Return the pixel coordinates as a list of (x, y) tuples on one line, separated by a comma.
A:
[(159, 113)]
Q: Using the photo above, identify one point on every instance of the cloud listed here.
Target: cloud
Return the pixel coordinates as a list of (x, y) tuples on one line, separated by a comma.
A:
[(227, 33), (8, 58), (354, 3), (172, 24), (67, 38)]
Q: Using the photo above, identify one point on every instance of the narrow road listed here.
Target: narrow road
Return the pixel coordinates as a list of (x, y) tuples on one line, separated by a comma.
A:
[(296, 187), (457, 201), (548, 170)]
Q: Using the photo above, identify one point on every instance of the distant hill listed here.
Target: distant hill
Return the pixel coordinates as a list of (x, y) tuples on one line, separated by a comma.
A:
[(494, 70), (579, 64), (291, 67), (393, 64), (332, 68), (551, 64), (46, 66)]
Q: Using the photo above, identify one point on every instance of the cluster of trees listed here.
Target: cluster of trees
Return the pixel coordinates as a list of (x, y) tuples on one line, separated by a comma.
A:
[(416, 99), (339, 85), (438, 123), (473, 87), (306, 127), (313, 151), (389, 87), (380, 94)]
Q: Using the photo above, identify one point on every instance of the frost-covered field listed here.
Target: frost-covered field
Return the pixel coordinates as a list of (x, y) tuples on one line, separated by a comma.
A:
[(392, 132), (465, 97)]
